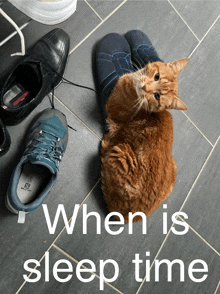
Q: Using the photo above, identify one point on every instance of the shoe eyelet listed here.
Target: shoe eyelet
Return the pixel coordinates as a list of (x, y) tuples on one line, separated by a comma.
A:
[(41, 132), (58, 139)]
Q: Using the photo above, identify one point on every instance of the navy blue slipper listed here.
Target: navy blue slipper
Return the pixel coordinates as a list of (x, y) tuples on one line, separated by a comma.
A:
[(113, 59), (142, 50)]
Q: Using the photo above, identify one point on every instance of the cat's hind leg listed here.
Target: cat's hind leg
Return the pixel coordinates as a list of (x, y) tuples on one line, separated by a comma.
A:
[(120, 172)]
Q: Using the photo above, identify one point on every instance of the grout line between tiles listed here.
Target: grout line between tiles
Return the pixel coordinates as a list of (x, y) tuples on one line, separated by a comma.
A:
[(217, 288), (76, 261), (199, 174), (165, 241), (204, 36), (83, 40), (183, 20), (207, 243), (197, 129), (78, 118), (79, 208), (158, 252), (94, 10), (180, 211), (22, 285)]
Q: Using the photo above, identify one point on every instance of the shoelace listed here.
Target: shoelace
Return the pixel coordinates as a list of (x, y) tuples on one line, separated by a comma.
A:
[(42, 60), (46, 147)]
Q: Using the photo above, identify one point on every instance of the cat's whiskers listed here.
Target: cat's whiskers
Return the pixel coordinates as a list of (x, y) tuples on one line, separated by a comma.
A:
[(135, 66), (140, 72), (138, 78), (137, 75), (140, 102), (139, 105), (130, 71)]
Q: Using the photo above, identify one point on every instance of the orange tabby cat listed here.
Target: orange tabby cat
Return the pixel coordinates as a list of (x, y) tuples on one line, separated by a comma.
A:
[(138, 169)]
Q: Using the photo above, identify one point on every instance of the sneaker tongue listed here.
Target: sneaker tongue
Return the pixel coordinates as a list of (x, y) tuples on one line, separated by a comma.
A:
[(37, 159)]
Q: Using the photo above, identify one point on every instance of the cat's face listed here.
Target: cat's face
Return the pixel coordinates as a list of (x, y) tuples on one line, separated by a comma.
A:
[(156, 86)]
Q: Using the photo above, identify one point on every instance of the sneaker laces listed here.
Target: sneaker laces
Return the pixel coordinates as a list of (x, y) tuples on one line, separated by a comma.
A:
[(46, 147), (42, 60)]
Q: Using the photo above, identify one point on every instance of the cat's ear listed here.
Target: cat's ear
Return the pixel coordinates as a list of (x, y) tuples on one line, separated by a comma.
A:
[(178, 104), (179, 65)]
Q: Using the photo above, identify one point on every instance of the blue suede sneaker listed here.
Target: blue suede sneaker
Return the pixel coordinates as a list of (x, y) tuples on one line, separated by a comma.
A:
[(113, 59), (142, 50), (37, 171)]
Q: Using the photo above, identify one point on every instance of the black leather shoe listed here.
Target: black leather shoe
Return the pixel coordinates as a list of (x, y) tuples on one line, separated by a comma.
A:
[(34, 77), (5, 140)]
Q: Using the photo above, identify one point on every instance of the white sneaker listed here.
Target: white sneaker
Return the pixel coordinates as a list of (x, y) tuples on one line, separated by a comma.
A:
[(48, 12)]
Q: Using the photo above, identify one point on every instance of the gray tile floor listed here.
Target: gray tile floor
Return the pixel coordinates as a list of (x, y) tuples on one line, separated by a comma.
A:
[(177, 29)]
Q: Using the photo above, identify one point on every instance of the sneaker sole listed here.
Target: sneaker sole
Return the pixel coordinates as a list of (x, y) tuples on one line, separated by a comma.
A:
[(48, 17), (8, 205)]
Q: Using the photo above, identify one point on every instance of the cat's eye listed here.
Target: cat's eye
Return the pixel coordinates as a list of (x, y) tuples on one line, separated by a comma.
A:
[(157, 96), (156, 77)]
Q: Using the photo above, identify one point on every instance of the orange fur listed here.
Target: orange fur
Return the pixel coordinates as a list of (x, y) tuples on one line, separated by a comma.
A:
[(138, 169)]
